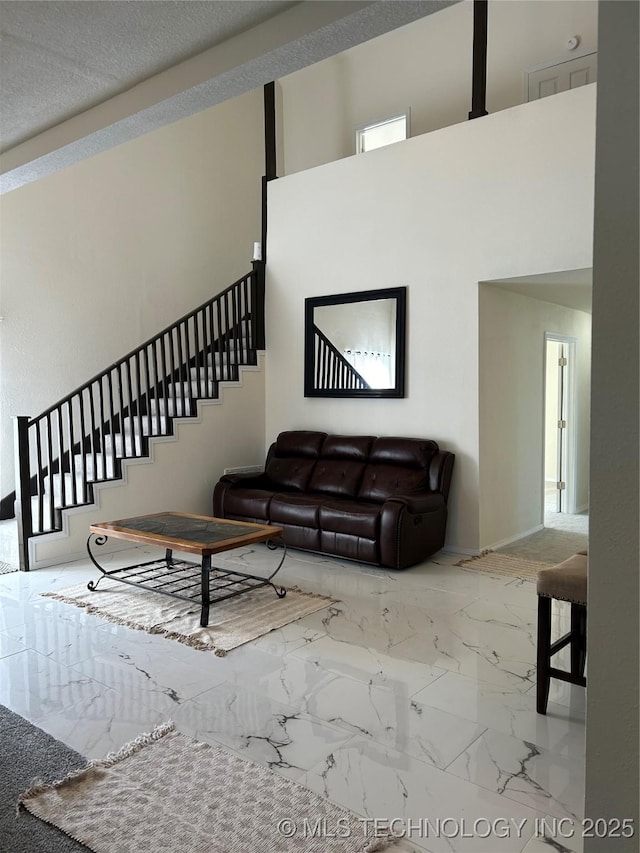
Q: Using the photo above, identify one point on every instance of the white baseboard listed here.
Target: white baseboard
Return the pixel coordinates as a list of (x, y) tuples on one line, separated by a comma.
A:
[(47, 562), (467, 552), (511, 539)]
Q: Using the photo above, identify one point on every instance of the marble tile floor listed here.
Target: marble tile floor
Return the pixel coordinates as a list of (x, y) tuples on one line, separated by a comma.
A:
[(411, 698)]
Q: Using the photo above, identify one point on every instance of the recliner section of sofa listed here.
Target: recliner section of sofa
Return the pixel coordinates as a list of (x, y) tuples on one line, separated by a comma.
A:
[(377, 500)]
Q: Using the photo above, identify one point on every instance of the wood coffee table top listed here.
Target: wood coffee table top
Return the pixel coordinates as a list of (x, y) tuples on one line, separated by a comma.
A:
[(193, 534)]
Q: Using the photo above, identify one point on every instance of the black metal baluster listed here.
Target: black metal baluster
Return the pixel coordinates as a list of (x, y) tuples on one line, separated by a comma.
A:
[(100, 435), (39, 477), (204, 314), (181, 372), (165, 378), (202, 357), (121, 421), (191, 359), (236, 327), (175, 377), (196, 338), (23, 505), (247, 333), (61, 465), (219, 343), (83, 445), (112, 426), (51, 486), (227, 337), (208, 356), (316, 361), (72, 455), (138, 439), (214, 347), (145, 396), (241, 320), (156, 386), (325, 367), (92, 427), (127, 419)]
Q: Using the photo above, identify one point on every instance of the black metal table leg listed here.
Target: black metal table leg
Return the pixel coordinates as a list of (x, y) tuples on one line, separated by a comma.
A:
[(272, 544), (100, 540), (204, 591)]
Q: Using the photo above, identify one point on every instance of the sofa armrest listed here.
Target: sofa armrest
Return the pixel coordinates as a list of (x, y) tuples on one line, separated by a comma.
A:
[(249, 479), (424, 502), (412, 527)]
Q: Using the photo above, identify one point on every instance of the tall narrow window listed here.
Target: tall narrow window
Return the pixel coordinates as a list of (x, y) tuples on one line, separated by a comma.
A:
[(381, 133)]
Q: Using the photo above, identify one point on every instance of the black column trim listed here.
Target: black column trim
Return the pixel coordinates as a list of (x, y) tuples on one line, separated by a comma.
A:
[(479, 85), (271, 168)]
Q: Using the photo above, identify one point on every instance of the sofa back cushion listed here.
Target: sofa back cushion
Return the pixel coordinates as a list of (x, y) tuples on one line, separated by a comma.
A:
[(341, 465), (292, 458), (397, 466)]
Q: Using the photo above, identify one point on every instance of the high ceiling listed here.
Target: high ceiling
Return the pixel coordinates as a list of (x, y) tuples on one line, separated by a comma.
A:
[(60, 58), (80, 76)]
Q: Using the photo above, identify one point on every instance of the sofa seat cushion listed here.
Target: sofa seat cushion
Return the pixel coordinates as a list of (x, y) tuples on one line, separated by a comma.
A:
[(356, 518), (247, 502), (296, 509)]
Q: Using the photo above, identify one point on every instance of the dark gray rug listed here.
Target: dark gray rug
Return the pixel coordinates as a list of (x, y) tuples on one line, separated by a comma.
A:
[(27, 752)]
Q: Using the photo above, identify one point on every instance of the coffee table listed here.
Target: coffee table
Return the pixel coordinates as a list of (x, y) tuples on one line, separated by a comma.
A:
[(192, 534)]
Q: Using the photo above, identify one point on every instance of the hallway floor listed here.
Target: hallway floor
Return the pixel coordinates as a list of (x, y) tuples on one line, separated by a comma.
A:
[(412, 697), (562, 536)]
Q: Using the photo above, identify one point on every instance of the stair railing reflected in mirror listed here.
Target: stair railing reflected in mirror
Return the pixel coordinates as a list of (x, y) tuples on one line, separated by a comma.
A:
[(355, 344)]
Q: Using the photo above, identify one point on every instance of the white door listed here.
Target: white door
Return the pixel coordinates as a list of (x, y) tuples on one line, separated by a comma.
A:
[(562, 76), (559, 438)]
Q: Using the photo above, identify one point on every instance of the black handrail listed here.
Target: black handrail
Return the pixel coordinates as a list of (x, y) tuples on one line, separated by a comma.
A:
[(84, 436)]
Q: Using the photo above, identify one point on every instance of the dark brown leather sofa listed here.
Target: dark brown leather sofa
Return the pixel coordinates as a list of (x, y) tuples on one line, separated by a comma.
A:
[(377, 500)]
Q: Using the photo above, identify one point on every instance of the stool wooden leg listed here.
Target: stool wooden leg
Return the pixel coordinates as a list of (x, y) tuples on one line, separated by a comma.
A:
[(544, 645), (578, 638)]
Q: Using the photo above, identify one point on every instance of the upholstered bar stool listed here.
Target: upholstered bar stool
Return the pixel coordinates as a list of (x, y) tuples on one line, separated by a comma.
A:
[(565, 582)]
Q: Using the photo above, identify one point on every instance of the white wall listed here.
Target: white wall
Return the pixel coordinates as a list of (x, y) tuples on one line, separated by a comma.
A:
[(613, 715), (512, 329), (100, 256), (425, 66), (437, 213)]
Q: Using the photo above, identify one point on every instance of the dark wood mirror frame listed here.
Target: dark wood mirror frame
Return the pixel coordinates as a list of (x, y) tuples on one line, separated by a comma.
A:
[(326, 371)]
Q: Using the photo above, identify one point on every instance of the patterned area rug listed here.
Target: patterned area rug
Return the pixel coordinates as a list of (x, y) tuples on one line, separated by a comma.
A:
[(168, 792), (5, 568), (231, 623), (505, 564)]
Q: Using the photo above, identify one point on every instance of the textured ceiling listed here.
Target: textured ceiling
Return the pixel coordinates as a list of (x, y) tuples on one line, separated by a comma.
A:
[(58, 59), (81, 76)]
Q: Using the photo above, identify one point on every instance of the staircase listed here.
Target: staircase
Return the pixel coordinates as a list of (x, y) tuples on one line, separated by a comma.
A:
[(83, 440)]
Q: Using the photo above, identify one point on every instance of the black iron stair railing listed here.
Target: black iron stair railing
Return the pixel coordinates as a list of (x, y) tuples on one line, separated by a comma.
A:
[(333, 371), (82, 439)]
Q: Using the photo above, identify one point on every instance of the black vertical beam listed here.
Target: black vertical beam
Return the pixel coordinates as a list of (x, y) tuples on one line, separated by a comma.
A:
[(271, 169), (23, 490), (479, 86), (263, 235)]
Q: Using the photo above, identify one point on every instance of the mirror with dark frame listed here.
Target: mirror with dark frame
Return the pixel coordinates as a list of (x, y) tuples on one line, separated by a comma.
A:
[(354, 344)]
